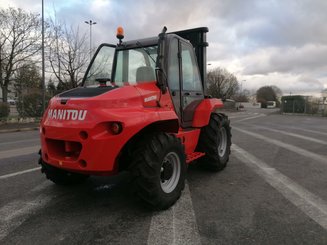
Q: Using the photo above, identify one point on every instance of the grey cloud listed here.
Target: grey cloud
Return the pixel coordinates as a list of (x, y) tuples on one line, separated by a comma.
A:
[(306, 84), (288, 23), (308, 59), (249, 37)]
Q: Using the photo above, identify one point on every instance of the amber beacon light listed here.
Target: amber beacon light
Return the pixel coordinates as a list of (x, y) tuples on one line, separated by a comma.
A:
[(120, 34)]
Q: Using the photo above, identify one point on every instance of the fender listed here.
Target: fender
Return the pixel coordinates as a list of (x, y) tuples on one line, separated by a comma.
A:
[(203, 111)]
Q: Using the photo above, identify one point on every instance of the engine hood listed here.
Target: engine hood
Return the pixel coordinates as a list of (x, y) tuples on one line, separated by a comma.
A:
[(86, 106), (86, 92)]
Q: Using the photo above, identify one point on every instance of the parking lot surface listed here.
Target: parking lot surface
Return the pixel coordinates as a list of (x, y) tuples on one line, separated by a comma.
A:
[(273, 191)]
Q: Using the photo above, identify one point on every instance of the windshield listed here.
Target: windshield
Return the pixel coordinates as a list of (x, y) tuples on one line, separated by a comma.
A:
[(101, 67), (132, 66)]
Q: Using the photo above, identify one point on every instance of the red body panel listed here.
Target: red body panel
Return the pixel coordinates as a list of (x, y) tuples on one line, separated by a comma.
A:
[(189, 139), (82, 126), (77, 136), (203, 112)]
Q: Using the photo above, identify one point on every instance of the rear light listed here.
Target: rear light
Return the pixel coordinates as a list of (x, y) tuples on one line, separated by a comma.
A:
[(82, 163), (116, 127), (84, 135)]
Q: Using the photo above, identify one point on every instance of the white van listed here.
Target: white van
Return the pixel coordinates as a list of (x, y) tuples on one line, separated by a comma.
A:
[(271, 104)]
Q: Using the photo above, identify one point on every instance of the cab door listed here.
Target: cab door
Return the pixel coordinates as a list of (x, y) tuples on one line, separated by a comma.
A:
[(184, 80), (191, 91)]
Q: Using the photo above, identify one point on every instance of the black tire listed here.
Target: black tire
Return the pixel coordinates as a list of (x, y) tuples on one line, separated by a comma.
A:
[(215, 141), (159, 169), (61, 177)]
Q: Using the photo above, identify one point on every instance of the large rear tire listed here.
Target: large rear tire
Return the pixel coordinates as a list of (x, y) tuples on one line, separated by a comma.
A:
[(159, 167), (60, 176), (215, 141)]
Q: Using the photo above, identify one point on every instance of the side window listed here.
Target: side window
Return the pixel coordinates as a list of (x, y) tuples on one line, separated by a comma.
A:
[(190, 71), (136, 60), (135, 65), (127, 63), (173, 69)]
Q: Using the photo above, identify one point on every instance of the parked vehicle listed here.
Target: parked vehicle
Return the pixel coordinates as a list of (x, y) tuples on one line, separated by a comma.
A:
[(142, 108)]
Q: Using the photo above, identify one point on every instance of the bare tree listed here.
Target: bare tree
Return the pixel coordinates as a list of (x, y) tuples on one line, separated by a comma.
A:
[(222, 83), (20, 40), (28, 90), (67, 54), (27, 79)]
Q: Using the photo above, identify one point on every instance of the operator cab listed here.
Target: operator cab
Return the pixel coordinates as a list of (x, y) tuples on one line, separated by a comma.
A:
[(134, 62)]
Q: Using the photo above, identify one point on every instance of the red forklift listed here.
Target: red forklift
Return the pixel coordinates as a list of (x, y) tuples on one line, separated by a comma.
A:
[(142, 107)]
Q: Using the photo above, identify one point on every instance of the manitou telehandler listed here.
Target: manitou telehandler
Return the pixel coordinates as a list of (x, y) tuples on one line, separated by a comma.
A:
[(141, 107)]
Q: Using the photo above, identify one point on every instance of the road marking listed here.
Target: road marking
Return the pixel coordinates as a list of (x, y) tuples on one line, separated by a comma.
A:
[(237, 115), (241, 114), (308, 130), (15, 213), (177, 225), (289, 147), (19, 173), (249, 118), (19, 152), (295, 135), (20, 141), (312, 205)]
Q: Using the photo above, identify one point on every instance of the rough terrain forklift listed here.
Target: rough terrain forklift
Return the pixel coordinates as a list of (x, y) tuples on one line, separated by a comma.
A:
[(141, 107)]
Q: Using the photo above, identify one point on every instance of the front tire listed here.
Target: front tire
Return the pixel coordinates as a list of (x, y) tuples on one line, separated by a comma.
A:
[(159, 167), (215, 141)]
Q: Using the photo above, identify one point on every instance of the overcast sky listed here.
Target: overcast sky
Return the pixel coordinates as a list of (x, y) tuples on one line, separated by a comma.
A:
[(263, 42)]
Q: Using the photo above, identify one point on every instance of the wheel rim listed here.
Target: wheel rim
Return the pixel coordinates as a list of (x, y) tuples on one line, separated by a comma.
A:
[(170, 172), (223, 142)]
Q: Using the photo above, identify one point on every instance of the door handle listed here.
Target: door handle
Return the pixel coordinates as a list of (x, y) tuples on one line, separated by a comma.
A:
[(198, 93), (187, 93)]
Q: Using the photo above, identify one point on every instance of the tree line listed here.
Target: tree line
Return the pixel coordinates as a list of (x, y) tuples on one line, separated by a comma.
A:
[(225, 85), (66, 55)]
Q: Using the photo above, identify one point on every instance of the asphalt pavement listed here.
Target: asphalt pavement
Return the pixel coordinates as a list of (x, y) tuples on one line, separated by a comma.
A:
[(273, 191)]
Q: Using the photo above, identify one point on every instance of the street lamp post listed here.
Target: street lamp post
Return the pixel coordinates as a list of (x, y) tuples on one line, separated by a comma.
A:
[(43, 62), (90, 23), (242, 85)]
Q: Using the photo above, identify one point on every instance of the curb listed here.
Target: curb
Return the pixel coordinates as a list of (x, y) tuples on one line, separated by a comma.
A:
[(18, 130)]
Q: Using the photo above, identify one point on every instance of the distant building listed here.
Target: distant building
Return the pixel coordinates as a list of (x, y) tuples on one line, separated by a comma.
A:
[(11, 93), (229, 104), (298, 104)]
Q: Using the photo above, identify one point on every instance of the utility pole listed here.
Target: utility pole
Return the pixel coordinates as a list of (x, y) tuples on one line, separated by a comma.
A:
[(43, 62), (90, 23), (242, 86)]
